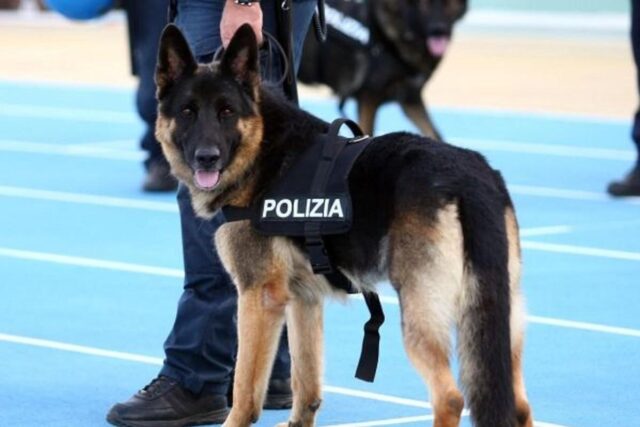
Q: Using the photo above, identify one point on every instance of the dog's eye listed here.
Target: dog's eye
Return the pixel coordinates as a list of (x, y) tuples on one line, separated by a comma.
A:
[(188, 112), (225, 112)]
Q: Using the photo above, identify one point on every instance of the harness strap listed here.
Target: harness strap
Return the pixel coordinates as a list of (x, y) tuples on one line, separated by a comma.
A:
[(369, 354), (318, 255), (235, 213)]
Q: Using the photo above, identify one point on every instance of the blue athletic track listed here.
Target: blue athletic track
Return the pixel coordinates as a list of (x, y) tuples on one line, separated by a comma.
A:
[(91, 267)]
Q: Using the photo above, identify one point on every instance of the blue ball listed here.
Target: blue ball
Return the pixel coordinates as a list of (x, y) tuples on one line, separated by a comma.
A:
[(80, 9)]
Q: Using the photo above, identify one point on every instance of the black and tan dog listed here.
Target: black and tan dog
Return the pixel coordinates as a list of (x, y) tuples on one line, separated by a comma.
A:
[(433, 219), (380, 51)]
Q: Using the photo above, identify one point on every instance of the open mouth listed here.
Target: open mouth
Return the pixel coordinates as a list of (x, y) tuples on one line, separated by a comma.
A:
[(206, 180), (437, 44)]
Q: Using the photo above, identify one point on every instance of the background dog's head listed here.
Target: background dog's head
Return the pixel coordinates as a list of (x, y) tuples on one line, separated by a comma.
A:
[(419, 28), (208, 121)]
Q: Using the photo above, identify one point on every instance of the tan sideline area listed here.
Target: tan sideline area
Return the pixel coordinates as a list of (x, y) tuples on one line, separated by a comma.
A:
[(582, 75)]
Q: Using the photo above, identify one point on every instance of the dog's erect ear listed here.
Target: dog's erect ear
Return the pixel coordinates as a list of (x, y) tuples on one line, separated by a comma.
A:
[(462, 10), (175, 59), (240, 59)]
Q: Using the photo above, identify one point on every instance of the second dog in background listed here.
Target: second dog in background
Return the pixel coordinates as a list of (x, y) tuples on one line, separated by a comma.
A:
[(380, 51)]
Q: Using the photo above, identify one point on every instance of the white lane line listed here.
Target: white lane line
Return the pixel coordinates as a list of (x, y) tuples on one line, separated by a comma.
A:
[(87, 199), (90, 262), (60, 196), (113, 152), (92, 351), (177, 273), (73, 114), (75, 150), (545, 231), (550, 321), (567, 194), (581, 250), (545, 149), (386, 422), (157, 361), (571, 324), (378, 397)]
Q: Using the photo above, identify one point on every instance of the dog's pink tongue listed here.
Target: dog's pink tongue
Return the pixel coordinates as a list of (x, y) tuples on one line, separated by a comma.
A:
[(437, 45), (206, 179)]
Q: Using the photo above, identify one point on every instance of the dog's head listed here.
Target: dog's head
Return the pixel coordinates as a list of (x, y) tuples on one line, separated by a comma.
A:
[(422, 26), (208, 120)]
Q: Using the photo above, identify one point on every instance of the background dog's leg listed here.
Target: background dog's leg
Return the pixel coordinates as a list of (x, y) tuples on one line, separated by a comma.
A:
[(260, 320), (367, 109), (523, 411), (304, 326), (426, 269), (419, 116)]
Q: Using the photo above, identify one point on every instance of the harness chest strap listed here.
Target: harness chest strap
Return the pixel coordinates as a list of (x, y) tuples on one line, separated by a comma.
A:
[(312, 200)]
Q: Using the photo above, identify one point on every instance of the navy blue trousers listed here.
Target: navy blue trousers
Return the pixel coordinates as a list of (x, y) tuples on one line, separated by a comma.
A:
[(146, 19), (200, 350), (635, 42)]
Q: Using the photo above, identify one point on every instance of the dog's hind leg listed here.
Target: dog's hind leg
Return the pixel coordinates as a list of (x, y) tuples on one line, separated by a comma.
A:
[(417, 112), (304, 326), (426, 269), (523, 411)]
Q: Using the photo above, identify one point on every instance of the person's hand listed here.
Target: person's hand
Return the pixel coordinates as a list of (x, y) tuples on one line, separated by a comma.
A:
[(234, 15)]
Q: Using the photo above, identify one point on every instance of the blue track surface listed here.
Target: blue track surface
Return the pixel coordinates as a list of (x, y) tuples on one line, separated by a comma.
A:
[(92, 266)]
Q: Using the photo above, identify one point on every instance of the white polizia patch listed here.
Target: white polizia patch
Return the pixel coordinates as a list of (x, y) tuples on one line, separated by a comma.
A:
[(298, 208)]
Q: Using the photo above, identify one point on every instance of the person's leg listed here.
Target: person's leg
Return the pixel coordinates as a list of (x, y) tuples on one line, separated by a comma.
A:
[(198, 355), (635, 43), (146, 19), (200, 349), (630, 184)]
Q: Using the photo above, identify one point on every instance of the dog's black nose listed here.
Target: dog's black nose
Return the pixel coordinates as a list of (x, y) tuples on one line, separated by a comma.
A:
[(207, 157), (438, 29)]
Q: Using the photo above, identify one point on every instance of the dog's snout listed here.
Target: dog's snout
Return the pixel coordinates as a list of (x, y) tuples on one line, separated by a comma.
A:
[(207, 157), (438, 29)]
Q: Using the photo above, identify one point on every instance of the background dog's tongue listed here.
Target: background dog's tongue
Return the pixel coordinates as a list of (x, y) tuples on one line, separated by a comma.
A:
[(207, 179), (437, 45)]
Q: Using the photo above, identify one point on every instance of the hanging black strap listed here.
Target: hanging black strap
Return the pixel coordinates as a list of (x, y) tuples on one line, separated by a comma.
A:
[(369, 354), (284, 17), (173, 11)]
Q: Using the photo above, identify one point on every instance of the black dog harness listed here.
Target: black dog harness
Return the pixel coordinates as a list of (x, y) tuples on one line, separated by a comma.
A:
[(312, 200)]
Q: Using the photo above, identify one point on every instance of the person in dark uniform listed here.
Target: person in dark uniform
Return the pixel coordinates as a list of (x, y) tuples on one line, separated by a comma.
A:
[(630, 184), (194, 382), (145, 21)]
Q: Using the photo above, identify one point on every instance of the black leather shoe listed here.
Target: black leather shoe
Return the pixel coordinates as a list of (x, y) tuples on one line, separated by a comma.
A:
[(629, 186), (279, 394), (164, 403), (159, 179)]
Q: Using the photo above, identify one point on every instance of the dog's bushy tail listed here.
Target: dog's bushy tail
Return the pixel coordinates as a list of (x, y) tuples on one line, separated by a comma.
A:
[(484, 341)]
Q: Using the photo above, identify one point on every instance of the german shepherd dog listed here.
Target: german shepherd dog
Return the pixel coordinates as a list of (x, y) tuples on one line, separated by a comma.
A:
[(433, 219), (380, 51)]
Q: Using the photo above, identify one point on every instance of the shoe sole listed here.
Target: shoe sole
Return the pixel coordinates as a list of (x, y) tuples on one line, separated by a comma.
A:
[(214, 417), (278, 401)]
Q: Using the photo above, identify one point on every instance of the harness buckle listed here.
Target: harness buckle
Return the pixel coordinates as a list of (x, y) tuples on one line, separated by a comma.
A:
[(318, 257)]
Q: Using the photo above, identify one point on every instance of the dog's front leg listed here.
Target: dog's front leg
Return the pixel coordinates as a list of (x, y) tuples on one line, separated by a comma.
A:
[(417, 112), (260, 320), (304, 327)]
